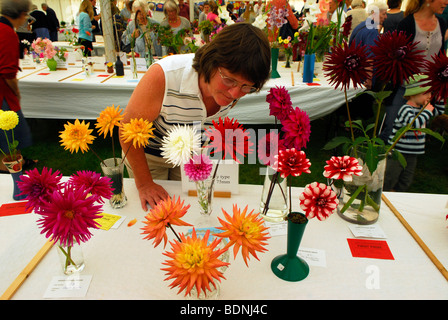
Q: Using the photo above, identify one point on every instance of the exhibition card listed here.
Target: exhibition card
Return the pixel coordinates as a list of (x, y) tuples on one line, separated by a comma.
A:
[(74, 286), (375, 249), (13, 208)]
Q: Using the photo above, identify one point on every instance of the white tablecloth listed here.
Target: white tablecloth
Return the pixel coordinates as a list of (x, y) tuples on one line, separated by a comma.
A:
[(124, 266), (44, 95)]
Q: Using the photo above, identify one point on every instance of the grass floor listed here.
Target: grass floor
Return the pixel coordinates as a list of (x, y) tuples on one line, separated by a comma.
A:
[(431, 175)]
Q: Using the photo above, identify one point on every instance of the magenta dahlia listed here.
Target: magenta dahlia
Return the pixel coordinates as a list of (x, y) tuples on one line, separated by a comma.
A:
[(437, 73), (92, 182), (198, 168), (342, 168), (68, 215), (318, 200), (297, 129), (279, 102), (39, 186), (291, 162)]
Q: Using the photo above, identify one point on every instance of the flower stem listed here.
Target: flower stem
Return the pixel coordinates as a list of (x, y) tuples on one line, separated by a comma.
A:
[(67, 255), (348, 114), (175, 233)]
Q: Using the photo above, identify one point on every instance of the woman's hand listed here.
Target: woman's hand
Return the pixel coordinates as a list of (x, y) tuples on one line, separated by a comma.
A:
[(151, 194)]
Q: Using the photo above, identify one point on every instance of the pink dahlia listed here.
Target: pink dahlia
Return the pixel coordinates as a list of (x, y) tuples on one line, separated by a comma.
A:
[(279, 101), (68, 215), (297, 129), (93, 183), (198, 168), (292, 162), (268, 147), (39, 186), (342, 168), (318, 200)]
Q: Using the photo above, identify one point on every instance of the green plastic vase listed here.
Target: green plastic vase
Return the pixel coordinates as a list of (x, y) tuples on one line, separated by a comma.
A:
[(274, 62), (52, 64), (289, 266)]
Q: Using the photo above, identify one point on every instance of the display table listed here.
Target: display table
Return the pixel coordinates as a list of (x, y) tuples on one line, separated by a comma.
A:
[(124, 266), (46, 94)]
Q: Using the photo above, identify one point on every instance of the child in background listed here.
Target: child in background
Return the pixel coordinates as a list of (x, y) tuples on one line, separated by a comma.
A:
[(412, 143)]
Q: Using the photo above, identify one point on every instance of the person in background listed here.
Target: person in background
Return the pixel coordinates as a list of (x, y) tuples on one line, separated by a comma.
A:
[(126, 12), (229, 8), (172, 18), (394, 15), (84, 21), (95, 21), (358, 14), (40, 27), (14, 13), (117, 23), (203, 17), (151, 8), (184, 10), (412, 143), (24, 32), (333, 11), (429, 31), (249, 14), (53, 22), (202, 86), (213, 15)]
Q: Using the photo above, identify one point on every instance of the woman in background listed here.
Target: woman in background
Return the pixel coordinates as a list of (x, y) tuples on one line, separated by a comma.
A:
[(173, 19), (85, 16)]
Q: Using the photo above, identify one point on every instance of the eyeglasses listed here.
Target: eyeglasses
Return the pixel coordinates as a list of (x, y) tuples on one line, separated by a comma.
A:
[(229, 82)]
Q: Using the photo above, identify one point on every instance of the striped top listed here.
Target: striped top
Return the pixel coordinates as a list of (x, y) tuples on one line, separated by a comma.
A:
[(182, 101), (413, 141)]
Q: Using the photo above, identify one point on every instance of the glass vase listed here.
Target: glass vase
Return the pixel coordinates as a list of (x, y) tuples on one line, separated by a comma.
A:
[(289, 266), (274, 197), (113, 168), (308, 67), (72, 259), (360, 199), (274, 62), (134, 65), (15, 169), (288, 61), (205, 189)]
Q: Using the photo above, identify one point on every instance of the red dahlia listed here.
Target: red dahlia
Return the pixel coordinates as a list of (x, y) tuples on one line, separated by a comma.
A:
[(437, 72)]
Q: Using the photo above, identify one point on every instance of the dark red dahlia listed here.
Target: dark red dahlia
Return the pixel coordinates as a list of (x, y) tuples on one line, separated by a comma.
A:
[(437, 72), (346, 65), (396, 58)]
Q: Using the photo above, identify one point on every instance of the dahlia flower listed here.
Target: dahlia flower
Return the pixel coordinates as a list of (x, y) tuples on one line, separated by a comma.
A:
[(342, 168), (8, 120), (194, 263), (280, 104), (93, 183), (68, 215), (297, 129), (138, 131), (318, 200), (165, 214), (39, 186), (291, 162), (76, 136), (245, 231), (437, 72), (228, 138), (347, 64), (198, 168), (179, 145), (108, 119), (395, 57)]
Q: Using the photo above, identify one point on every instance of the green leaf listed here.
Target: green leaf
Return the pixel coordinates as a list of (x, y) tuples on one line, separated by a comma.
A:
[(432, 133), (336, 142)]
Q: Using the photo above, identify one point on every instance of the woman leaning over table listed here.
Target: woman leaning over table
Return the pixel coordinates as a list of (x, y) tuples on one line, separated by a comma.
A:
[(85, 16), (203, 87), (173, 19), (429, 31), (14, 13)]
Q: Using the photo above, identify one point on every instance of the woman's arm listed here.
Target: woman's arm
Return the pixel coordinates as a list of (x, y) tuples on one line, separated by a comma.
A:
[(145, 102)]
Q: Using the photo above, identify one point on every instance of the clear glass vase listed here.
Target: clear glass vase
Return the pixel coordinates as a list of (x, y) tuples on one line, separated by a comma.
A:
[(72, 259), (113, 168), (274, 197), (205, 189), (360, 199)]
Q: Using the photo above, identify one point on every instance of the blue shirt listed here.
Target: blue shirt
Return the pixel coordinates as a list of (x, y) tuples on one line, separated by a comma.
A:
[(365, 34), (85, 25)]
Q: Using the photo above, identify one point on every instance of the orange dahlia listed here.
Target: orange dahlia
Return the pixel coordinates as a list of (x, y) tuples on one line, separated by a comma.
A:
[(138, 131), (76, 136), (165, 214), (247, 232), (108, 119), (194, 263)]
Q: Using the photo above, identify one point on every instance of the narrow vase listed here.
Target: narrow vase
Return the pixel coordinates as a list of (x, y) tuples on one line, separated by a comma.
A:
[(274, 197), (114, 169), (72, 259), (52, 64), (289, 266), (205, 189), (15, 169), (308, 67), (288, 61), (274, 62)]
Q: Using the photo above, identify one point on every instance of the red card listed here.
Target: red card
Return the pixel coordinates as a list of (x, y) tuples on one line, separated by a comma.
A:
[(43, 74), (9, 209), (313, 84), (103, 75), (376, 249)]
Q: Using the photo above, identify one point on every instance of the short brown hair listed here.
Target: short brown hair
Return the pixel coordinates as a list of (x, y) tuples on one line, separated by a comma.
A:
[(242, 49)]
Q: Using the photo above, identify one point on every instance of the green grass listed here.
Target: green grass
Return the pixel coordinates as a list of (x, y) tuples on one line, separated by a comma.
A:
[(431, 175)]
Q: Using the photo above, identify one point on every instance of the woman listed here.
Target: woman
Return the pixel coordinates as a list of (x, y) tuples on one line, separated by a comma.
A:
[(202, 87), (85, 16), (213, 15), (137, 29), (429, 31), (358, 14), (14, 14), (394, 15), (172, 18)]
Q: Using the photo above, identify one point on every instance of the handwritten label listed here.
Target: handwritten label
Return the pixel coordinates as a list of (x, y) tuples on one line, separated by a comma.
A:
[(107, 221)]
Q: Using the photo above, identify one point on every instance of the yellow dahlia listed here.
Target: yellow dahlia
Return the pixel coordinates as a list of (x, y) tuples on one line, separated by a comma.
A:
[(138, 131), (247, 232), (108, 119), (194, 263), (165, 214), (76, 136), (8, 120)]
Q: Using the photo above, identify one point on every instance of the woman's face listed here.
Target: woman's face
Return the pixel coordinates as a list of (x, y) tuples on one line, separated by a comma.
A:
[(141, 17), (224, 94), (171, 13), (437, 6)]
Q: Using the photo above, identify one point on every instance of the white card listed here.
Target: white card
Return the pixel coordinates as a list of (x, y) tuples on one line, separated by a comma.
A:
[(314, 257), (73, 286), (368, 231), (277, 228)]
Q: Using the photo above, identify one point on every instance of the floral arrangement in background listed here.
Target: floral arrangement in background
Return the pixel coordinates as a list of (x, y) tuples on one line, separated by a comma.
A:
[(43, 48), (195, 262), (8, 121), (70, 35), (277, 13), (286, 46), (61, 53)]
